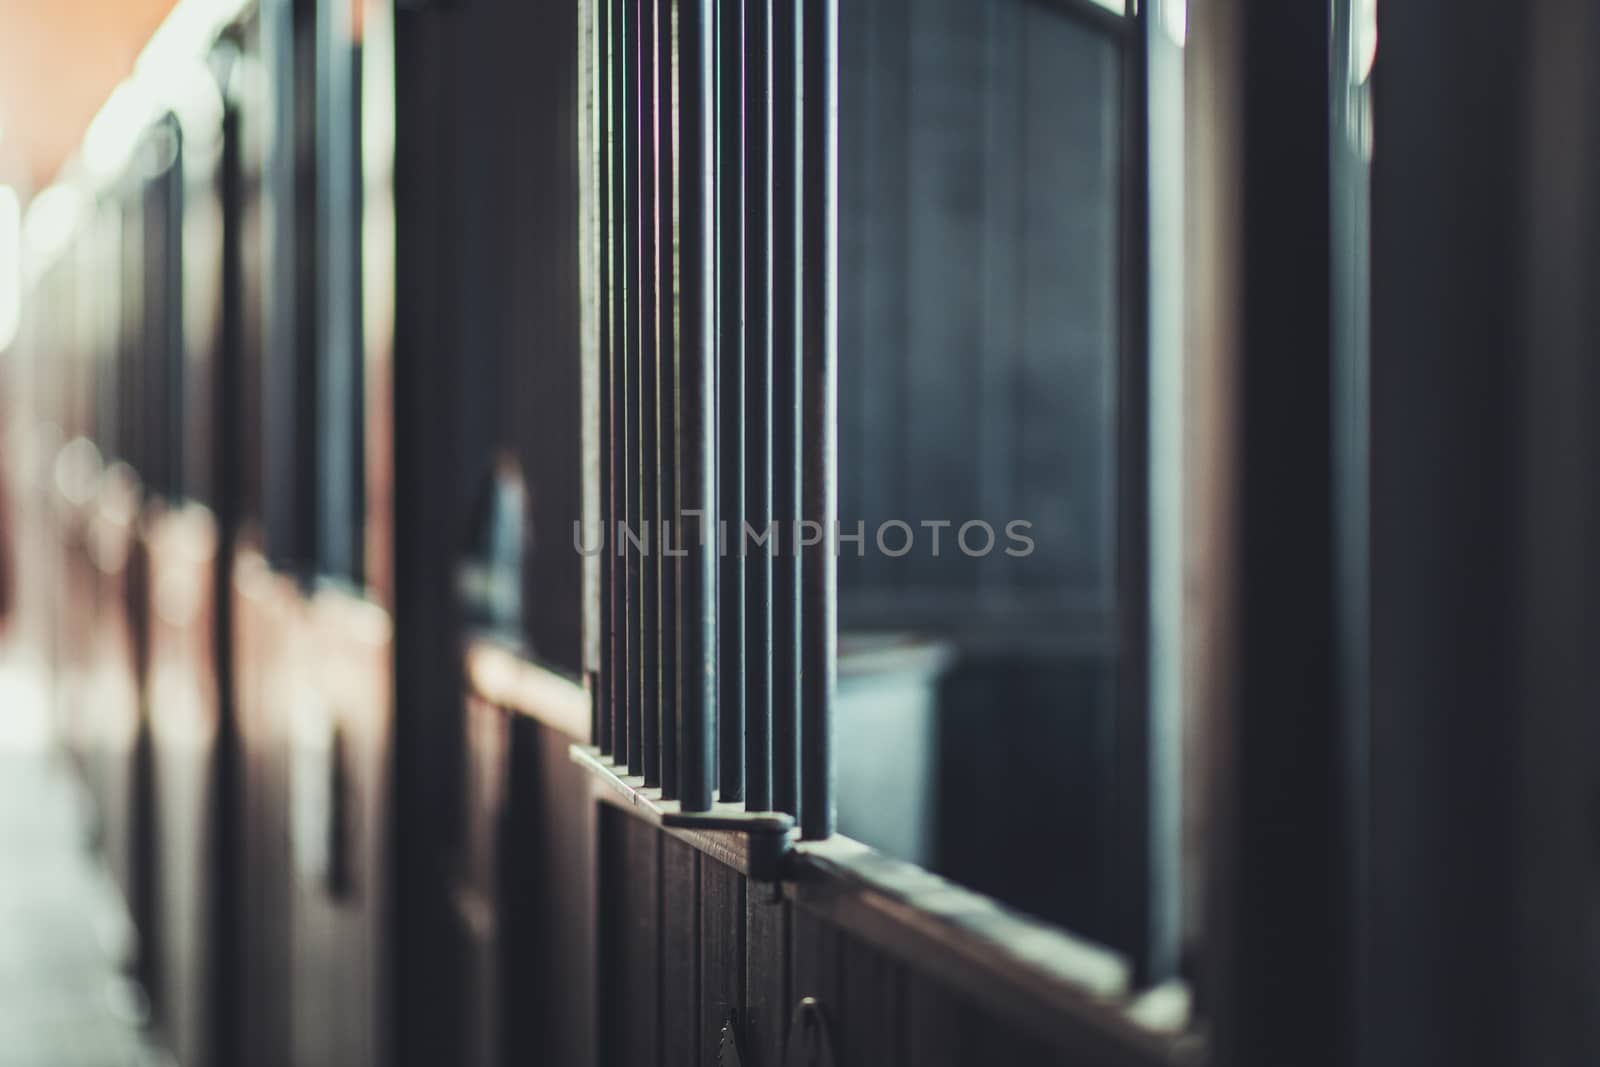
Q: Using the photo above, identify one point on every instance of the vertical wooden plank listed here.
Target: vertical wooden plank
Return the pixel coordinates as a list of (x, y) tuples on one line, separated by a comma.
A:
[(631, 930), (937, 1027), (722, 953), (680, 944), (264, 615), (475, 905), (613, 863), (766, 981), (992, 1041), (871, 1006), (815, 958), (339, 728), (941, 1027), (547, 904)]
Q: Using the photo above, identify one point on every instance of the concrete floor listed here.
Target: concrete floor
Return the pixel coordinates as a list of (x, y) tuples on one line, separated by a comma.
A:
[(64, 1000)]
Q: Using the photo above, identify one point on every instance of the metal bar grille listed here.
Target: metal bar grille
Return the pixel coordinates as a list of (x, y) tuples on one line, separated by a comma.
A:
[(633, 753), (786, 429), (669, 695), (717, 166), (615, 471), (758, 403), (648, 620), (819, 366), (604, 102), (697, 587), (730, 390)]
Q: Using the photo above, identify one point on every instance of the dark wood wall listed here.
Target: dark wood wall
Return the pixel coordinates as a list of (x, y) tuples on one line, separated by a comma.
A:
[(690, 945), (605, 939), (188, 812), (263, 609), (486, 366)]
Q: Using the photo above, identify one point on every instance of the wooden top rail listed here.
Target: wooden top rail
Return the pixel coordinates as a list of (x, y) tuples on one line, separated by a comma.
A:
[(513, 682), (1077, 994)]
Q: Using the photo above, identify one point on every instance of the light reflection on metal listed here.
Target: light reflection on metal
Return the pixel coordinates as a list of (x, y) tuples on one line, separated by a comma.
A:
[(1364, 39), (810, 1044), (728, 1054), (1363, 56), (1175, 20)]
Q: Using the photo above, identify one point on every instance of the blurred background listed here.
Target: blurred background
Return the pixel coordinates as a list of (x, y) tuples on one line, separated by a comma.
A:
[(324, 322)]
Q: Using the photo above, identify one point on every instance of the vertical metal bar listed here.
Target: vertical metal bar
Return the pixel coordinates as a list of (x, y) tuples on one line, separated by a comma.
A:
[(758, 403), (131, 346), (819, 363), (617, 258), (277, 179), (648, 621), (152, 349), (785, 405), (730, 389), (173, 340), (669, 696), (605, 680), (697, 402), (1351, 287), (339, 468), (1150, 514), (630, 464)]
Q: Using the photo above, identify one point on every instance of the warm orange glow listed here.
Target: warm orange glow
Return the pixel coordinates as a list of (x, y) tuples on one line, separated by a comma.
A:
[(59, 60)]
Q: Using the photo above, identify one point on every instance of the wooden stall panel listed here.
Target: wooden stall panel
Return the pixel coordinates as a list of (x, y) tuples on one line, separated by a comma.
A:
[(677, 989), (73, 507), (476, 897), (630, 939), (184, 710), (118, 761), (939, 1027), (936, 1026), (854, 960), (722, 937), (267, 611), (856, 989), (766, 981), (549, 900), (338, 721)]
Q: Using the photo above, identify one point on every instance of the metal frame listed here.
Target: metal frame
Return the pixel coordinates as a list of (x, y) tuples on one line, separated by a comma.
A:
[(675, 617), (340, 470)]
